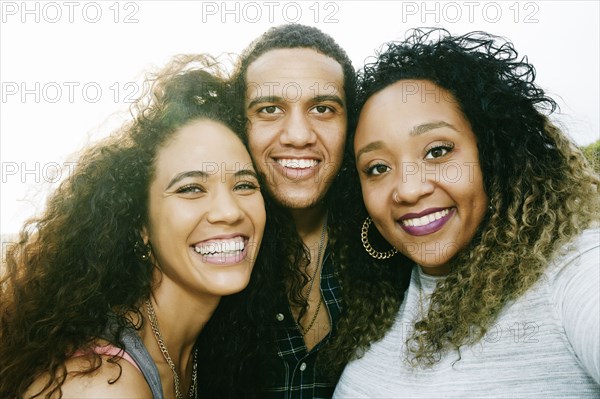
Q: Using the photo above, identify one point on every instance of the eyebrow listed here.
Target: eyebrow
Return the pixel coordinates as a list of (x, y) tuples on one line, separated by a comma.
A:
[(278, 99), (246, 172), (375, 145), (204, 175), (426, 127), (329, 97), (415, 131), (265, 99)]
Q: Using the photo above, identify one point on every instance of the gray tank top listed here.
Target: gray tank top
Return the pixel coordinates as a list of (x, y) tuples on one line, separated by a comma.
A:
[(136, 349)]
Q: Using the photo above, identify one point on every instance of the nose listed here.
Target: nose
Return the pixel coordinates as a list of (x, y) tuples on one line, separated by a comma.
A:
[(224, 208), (412, 184), (297, 130)]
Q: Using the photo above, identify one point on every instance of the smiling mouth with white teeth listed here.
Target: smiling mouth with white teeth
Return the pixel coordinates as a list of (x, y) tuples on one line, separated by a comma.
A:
[(424, 220), (295, 163), (225, 246)]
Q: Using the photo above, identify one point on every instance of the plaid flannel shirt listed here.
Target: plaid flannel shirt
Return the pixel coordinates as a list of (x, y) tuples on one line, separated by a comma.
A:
[(296, 376)]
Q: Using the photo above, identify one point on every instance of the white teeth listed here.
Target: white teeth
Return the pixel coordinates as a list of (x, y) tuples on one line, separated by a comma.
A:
[(220, 246), (297, 163), (422, 221)]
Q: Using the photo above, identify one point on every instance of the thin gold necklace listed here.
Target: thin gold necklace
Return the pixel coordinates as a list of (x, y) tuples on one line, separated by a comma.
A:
[(421, 307), (163, 349), (423, 298), (314, 276)]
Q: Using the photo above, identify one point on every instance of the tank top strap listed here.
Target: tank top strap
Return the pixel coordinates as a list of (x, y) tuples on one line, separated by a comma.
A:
[(136, 349)]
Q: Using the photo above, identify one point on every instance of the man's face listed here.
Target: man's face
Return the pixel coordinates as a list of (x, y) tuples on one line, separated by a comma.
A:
[(295, 103)]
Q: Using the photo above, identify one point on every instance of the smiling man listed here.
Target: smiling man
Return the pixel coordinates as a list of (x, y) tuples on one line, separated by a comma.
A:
[(297, 84), (296, 107)]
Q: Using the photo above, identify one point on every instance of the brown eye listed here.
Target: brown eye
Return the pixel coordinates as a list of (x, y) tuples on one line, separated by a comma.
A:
[(438, 151), (271, 109), (246, 186), (321, 109), (377, 169), (191, 190)]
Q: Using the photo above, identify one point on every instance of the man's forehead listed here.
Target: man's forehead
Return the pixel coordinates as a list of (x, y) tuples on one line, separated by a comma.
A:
[(293, 64)]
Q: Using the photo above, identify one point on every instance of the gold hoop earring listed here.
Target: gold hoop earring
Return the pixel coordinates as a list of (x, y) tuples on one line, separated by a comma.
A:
[(367, 245)]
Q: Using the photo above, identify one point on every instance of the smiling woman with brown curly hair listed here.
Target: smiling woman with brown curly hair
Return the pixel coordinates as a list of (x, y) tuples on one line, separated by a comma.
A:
[(493, 208), (107, 291)]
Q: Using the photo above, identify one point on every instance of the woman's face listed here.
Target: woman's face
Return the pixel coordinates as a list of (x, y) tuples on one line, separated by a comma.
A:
[(206, 212), (419, 170)]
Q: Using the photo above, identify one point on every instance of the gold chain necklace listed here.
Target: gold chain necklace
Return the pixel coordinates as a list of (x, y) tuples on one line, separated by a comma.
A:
[(314, 276), (165, 353)]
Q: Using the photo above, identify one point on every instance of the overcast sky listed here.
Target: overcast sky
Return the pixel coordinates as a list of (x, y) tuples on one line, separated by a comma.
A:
[(69, 68)]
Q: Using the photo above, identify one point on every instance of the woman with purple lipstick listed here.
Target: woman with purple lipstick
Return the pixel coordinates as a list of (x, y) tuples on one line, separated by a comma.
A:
[(145, 246), (496, 212)]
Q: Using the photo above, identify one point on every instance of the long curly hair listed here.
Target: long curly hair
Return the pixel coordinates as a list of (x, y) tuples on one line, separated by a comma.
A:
[(542, 191), (76, 268)]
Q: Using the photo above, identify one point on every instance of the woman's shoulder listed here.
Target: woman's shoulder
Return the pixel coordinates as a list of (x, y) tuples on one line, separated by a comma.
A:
[(115, 378), (582, 250), (573, 277), (589, 239)]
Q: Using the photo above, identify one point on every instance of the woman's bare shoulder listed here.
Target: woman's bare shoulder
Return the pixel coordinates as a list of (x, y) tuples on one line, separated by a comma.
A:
[(114, 379)]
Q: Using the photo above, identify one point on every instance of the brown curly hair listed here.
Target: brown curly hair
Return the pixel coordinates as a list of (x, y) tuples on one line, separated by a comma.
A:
[(76, 269)]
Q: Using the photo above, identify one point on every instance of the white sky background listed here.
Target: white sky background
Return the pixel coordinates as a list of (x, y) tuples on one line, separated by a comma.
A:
[(67, 67)]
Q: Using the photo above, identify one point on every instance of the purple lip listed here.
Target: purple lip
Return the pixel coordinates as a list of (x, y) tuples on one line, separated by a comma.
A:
[(428, 228)]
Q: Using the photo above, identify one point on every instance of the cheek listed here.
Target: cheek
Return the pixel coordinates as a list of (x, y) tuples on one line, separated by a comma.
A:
[(254, 145), (260, 217), (331, 133), (471, 183), (254, 207), (463, 180), (480, 204), (372, 198), (258, 137), (336, 154), (474, 200), (339, 148), (176, 216)]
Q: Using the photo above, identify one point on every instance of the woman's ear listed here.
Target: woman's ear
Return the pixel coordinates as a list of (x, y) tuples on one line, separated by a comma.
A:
[(144, 235)]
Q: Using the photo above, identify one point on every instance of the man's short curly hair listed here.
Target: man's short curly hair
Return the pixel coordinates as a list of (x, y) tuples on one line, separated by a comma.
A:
[(292, 36)]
